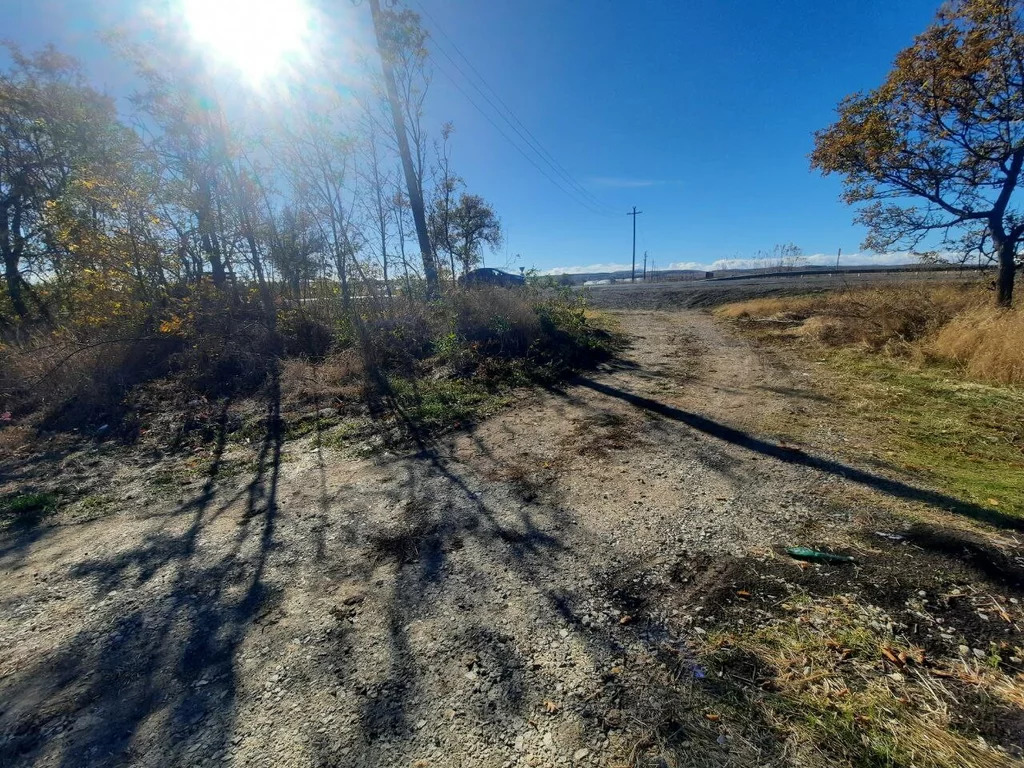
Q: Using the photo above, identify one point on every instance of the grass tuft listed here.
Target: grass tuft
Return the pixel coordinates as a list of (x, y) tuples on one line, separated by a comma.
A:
[(26, 509)]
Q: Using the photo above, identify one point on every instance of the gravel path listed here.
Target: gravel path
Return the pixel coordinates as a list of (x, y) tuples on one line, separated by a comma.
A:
[(499, 599)]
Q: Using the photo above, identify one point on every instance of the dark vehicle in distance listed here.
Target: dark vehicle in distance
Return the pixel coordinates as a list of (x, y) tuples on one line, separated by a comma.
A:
[(491, 276)]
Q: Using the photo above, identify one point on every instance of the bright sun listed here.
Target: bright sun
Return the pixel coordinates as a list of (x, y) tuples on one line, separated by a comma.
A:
[(256, 36)]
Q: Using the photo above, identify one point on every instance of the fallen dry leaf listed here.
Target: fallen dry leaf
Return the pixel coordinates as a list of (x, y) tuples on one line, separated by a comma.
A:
[(625, 619), (713, 717), (550, 707), (892, 657), (743, 593)]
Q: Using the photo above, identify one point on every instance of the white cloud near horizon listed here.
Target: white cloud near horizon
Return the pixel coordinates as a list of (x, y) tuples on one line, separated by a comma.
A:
[(816, 260), (587, 269)]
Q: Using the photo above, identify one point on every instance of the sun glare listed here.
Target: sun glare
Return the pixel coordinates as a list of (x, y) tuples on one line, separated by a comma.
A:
[(258, 37)]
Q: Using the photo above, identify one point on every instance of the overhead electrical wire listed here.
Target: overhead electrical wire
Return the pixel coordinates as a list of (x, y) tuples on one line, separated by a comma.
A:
[(521, 151), (575, 190)]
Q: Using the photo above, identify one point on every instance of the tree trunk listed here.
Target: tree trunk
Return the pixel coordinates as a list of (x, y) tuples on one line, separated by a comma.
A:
[(1007, 273), (13, 278), (419, 216), (12, 273)]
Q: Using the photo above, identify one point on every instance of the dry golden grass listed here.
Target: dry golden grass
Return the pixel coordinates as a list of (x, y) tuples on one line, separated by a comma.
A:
[(834, 692), (336, 380), (770, 308), (949, 323), (988, 343)]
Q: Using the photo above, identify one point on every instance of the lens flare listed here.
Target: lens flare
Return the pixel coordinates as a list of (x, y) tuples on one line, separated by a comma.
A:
[(257, 37)]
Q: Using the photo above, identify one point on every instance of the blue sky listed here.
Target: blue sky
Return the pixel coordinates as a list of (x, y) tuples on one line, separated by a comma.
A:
[(700, 113)]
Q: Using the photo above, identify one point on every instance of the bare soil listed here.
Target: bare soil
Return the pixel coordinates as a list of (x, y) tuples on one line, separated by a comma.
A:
[(532, 592)]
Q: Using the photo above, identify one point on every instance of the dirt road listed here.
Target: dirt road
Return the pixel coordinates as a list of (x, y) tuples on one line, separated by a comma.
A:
[(506, 597)]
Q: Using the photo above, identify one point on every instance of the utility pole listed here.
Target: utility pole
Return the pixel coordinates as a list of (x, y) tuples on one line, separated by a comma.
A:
[(415, 192), (645, 263), (634, 214)]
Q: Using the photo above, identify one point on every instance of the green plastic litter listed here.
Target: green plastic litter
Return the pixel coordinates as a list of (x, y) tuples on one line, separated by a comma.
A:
[(806, 553)]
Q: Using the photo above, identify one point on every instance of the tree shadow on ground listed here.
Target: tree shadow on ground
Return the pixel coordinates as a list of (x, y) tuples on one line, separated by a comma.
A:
[(154, 675), (518, 528), (796, 456)]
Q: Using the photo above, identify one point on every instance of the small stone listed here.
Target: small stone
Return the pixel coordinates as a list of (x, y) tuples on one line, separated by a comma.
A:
[(579, 754), (979, 653)]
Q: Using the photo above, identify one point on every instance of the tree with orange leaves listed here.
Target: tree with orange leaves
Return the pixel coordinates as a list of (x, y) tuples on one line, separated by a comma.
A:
[(936, 151)]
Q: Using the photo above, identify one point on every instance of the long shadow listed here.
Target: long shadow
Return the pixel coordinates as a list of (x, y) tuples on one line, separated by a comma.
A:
[(153, 676), (799, 457), (451, 507), (444, 511)]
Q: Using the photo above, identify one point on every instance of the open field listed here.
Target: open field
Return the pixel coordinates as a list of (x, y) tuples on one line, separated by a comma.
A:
[(594, 575), (706, 293)]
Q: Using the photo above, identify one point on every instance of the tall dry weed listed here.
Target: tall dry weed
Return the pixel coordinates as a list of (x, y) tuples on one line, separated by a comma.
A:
[(987, 342)]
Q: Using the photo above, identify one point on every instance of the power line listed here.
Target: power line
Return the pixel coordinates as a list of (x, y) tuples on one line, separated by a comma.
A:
[(518, 148), (530, 138), (508, 115)]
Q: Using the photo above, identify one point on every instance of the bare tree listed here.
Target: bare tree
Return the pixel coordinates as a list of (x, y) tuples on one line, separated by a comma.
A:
[(400, 41), (444, 200)]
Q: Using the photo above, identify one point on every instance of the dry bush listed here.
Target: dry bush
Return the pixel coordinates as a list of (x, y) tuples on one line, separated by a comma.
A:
[(890, 317), (303, 335), (988, 343), (398, 340), (335, 381), (62, 384), (498, 322)]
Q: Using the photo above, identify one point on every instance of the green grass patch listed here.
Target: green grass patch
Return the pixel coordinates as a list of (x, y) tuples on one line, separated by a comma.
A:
[(435, 405), (966, 438), (26, 509)]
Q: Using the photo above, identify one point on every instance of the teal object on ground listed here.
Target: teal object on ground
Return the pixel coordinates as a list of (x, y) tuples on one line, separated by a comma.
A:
[(806, 553)]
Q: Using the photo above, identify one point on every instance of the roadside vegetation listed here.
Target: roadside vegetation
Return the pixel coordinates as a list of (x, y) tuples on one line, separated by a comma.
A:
[(424, 366), (912, 656), (160, 280), (930, 375), (842, 676)]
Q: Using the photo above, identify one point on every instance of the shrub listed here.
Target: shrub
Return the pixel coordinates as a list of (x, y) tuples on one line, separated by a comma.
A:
[(305, 336), (496, 322), (396, 342)]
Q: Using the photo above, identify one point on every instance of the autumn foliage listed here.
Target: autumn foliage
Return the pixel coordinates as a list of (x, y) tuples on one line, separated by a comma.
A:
[(197, 237), (934, 155)]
